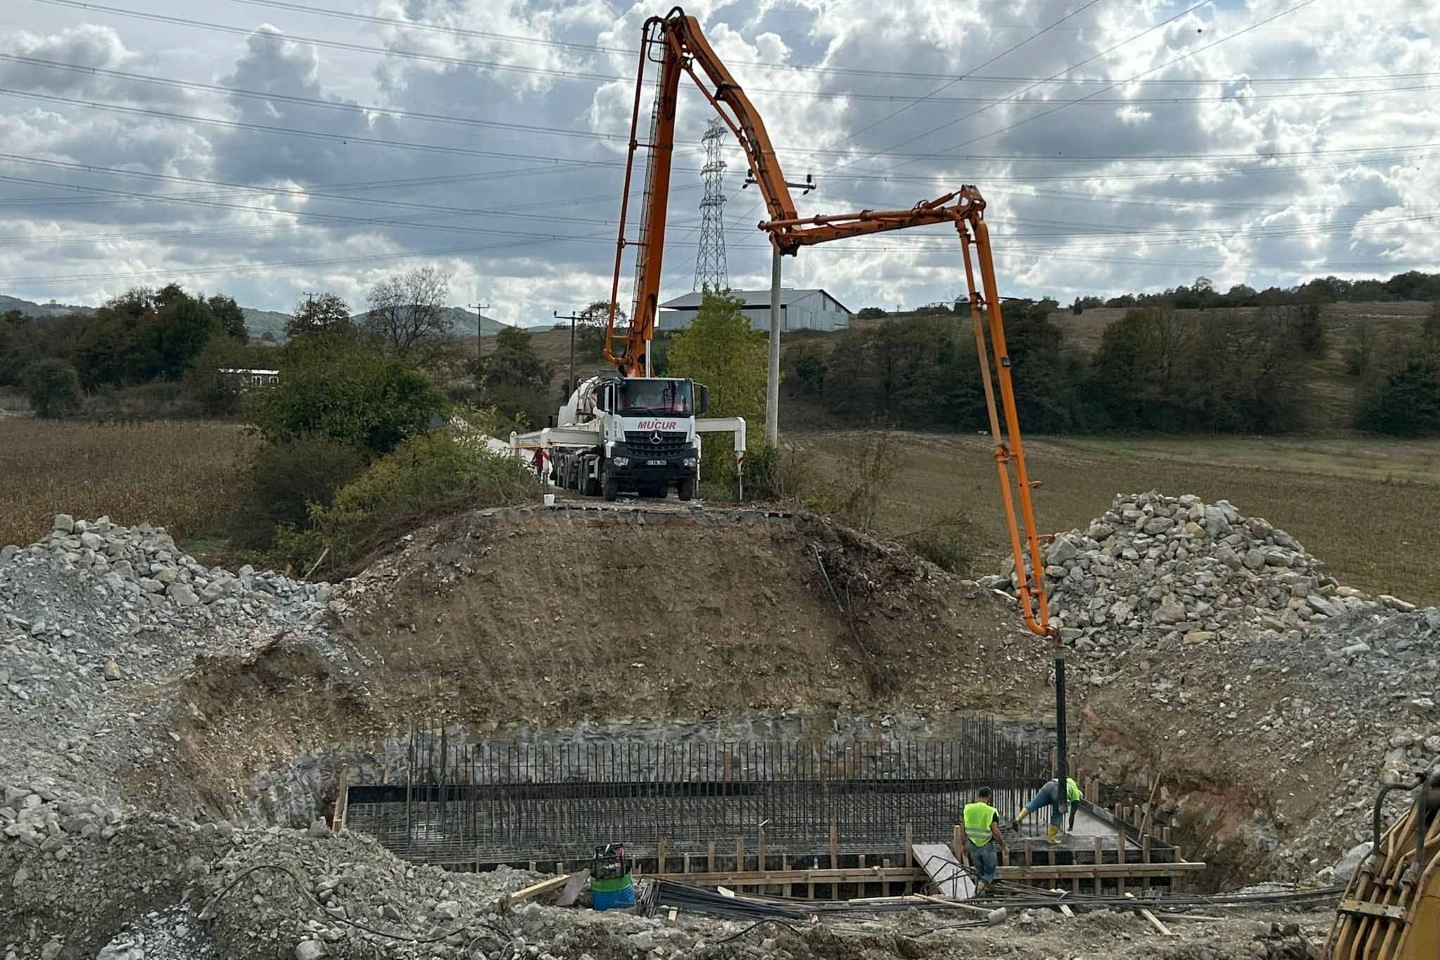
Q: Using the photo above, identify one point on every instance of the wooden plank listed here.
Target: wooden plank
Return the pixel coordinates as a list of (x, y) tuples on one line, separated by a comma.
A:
[(1120, 839), (1099, 851), (906, 855), (1153, 920), (955, 903), (943, 868), (549, 885), (661, 849), (760, 863), (342, 799), (710, 857)]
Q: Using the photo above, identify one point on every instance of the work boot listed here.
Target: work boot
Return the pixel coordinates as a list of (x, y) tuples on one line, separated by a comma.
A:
[(1054, 834)]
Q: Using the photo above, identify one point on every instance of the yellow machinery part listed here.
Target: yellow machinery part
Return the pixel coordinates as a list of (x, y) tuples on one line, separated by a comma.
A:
[(1391, 909)]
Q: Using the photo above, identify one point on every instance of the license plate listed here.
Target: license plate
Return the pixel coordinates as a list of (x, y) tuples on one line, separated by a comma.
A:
[(654, 463)]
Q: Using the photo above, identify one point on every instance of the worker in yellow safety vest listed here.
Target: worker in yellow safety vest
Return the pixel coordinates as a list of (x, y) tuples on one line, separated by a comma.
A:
[(1049, 795), (982, 836)]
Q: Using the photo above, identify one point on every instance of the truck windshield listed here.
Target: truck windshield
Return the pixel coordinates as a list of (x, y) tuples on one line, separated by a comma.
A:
[(640, 398)]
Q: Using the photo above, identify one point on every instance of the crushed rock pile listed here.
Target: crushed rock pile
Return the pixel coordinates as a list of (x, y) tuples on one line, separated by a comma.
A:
[(1159, 571), (1317, 690), (96, 614)]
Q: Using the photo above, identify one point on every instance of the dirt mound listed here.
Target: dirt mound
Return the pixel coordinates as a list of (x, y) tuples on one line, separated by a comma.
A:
[(536, 617)]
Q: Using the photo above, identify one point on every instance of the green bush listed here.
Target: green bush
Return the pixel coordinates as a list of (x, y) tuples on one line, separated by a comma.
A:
[(778, 473), (285, 479), (425, 478), (1407, 403), (53, 388), (947, 544), (349, 391)]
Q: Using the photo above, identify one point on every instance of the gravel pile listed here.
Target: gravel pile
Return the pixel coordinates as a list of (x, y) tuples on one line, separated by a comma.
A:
[(1225, 638), (95, 617), (1160, 571)]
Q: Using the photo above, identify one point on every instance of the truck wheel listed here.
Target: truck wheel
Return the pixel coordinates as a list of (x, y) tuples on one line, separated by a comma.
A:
[(611, 486), (686, 488)]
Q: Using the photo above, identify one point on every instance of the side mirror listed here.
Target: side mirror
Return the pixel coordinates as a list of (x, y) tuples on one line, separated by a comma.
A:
[(704, 405)]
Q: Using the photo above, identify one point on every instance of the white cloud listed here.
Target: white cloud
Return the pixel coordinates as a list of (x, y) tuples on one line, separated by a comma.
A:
[(1203, 166)]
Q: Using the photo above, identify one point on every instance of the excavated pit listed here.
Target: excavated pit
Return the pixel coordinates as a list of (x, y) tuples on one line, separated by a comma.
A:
[(598, 625)]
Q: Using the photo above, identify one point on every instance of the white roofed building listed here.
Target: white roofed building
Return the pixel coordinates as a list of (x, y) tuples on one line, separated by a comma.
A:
[(799, 310)]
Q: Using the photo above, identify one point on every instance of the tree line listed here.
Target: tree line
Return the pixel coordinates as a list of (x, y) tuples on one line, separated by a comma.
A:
[(1157, 369)]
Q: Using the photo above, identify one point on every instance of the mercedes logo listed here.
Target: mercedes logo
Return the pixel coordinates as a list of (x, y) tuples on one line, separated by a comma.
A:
[(655, 437)]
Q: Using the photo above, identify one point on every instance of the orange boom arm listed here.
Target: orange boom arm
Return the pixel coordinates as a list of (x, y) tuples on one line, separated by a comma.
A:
[(677, 45)]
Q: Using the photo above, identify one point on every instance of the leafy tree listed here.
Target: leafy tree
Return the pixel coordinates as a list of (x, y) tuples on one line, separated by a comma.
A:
[(286, 479), (1246, 375), (20, 346), (720, 350), (513, 379), (590, 328), (349, 391), (1308, 323), (323, 314), (230, 317), (1407, 403), (871, 313), (53, 388), (408, 313), (181, 327), (805, 367), (1360, 348)]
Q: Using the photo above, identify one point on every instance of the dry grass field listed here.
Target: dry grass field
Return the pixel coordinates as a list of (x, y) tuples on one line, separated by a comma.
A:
[(1370, 509), (184, 475)]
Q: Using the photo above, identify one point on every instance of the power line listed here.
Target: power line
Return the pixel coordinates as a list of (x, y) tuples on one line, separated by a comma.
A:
[(631, 52), (1184, 56), (302, 193), (1074, 66), (401, 113), (608, 78), (334, 218), (950, 83), (293, 132), (574, 161)]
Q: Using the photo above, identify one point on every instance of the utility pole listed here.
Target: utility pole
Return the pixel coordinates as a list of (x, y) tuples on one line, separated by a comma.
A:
[(479, 330), (772, 379), (572, 318)]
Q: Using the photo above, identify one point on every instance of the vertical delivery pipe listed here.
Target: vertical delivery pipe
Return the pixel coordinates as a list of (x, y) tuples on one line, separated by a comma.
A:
[(772, 382)]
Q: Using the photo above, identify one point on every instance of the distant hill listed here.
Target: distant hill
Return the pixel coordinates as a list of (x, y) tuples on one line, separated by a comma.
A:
[(261, 322), (258, 322), (463, 322), (31, 309)]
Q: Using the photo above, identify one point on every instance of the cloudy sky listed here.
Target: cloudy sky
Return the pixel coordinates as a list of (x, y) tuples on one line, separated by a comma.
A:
[(265, 148)]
